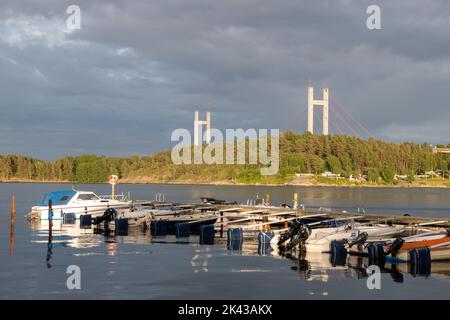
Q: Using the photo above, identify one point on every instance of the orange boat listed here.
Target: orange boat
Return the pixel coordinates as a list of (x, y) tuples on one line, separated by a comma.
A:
[(438, 247), (435, 254), (423, 243)]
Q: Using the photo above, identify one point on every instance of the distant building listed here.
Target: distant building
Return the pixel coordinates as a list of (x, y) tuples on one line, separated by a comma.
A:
[(304, 175), (328, 174), (441, 150), (358, 177), (431, 173)]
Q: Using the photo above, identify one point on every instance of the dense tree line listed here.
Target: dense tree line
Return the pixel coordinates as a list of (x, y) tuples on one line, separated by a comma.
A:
[(353, 156), (304, 153)]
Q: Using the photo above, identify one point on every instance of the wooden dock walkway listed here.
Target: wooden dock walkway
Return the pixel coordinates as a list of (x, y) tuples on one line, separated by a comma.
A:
[(234, 216)]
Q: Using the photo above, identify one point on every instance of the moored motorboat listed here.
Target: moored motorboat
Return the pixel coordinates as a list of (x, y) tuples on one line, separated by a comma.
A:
[(421, 242), (440, 253), (132, 216), (433, 245), (320, 240), (76, 202)]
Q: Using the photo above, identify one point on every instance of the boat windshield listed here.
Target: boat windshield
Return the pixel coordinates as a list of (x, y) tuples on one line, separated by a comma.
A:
[(57, 197), (87, 196)]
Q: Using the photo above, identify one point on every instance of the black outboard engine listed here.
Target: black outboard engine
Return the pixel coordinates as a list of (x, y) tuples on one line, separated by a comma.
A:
[(395, 246), (359, 240), (109, 215), (298, 232), (289, 233)]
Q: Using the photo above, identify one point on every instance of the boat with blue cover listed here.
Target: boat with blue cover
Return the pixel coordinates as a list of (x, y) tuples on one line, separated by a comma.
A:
[(77, 202)]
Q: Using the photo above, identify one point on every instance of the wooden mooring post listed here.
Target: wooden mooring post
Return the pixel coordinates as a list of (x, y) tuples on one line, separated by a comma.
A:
[(13, 209), (295, 207), (11, 231), (50, 234), (221, 224)]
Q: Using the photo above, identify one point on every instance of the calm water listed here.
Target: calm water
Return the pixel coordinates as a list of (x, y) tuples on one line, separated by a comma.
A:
[(138, 267)]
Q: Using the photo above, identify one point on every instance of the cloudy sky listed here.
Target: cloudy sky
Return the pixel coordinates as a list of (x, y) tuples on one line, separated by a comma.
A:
[(136, 70)]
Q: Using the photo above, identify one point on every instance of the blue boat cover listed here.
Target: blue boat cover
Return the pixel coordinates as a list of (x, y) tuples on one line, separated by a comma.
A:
[(57, 197)]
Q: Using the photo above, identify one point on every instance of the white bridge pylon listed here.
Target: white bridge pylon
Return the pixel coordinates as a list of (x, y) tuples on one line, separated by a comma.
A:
[(198, 132), (324, 103)]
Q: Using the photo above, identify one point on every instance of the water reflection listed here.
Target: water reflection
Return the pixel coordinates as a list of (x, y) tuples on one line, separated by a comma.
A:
[(318, 266), (199, 261), (111, 245), (321, 267), (11, 239), (311, 266), (58, 234), (49, 244)]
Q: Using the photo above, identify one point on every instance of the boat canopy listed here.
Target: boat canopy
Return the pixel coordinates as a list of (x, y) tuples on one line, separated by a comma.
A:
[(58, 197)]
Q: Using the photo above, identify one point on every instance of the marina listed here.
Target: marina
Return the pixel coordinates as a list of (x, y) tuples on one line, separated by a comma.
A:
[(194, 238)]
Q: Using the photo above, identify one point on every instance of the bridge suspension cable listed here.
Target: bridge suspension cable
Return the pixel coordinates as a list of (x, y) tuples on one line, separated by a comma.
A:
[(358, 123)]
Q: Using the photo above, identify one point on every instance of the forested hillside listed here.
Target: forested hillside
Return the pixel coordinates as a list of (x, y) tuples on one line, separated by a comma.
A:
[(305, 153)]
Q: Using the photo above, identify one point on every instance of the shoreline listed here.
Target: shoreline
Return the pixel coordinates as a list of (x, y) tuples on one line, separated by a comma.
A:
[(223, 183)]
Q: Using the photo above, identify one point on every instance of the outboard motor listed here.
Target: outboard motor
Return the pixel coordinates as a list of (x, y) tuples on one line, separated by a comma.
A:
[(395, 246), (359, 240), (302, 235), (285, 236), (297, 233), (109, 215)]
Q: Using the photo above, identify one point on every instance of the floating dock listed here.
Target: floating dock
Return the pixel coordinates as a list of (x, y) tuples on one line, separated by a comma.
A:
[(265, 218)]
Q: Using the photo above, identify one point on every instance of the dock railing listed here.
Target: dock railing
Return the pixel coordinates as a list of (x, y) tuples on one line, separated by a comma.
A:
[(119, 197)]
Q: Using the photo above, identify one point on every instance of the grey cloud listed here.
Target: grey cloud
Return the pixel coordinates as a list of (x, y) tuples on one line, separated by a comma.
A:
[(137, 70)]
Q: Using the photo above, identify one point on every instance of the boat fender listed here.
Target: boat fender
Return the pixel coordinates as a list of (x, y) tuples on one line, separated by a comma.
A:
[(338, 251), (420, 261), (69, 218), (121, 226), (85, 221), (264, 242), (375, 252), (182, 230), (338, 247), (159, 227), (381, 255), (235, 244), (372, 253), (206, 234), (235, 234), (265, 237)]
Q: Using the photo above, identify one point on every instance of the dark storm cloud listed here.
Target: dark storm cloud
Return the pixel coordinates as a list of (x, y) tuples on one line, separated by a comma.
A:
[(138, 69)]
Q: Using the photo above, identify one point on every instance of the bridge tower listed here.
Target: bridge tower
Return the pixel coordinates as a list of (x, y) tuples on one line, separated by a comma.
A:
[(198, 132), (324, 103)]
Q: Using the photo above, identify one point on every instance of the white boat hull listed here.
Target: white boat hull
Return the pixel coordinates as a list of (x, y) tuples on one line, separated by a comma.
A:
[(321, 240), (95, 209)]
